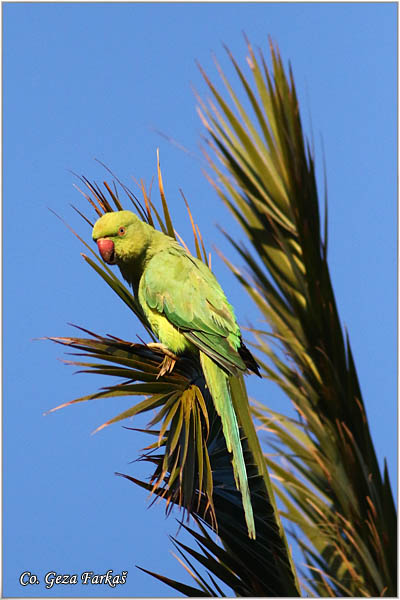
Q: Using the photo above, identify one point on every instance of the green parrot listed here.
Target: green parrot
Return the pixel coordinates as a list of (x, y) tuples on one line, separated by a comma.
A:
[(187, 310)]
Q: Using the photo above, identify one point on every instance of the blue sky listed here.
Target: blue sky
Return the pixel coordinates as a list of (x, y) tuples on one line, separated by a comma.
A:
[(85, 81)]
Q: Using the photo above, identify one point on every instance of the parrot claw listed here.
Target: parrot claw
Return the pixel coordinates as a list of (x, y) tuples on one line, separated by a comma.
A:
[(168, 364)]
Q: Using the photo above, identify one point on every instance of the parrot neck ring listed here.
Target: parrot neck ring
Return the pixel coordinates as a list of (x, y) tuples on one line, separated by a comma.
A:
[(107, 251)]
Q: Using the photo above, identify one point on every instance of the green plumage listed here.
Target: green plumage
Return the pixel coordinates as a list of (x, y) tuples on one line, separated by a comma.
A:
[(188, 311)]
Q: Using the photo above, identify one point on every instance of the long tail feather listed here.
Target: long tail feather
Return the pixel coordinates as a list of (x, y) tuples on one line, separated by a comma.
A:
[(218, 384)]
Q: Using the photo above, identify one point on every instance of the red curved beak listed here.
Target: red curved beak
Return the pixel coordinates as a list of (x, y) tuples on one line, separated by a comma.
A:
[(106, 249)]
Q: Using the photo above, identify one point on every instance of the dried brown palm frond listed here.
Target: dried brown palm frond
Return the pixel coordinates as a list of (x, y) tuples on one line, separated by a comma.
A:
[(192, 467)]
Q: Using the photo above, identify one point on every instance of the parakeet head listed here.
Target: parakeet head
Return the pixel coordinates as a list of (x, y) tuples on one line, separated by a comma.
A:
[(117, 234)]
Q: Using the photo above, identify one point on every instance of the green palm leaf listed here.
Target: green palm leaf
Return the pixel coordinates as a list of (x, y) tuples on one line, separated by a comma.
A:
[(331, 483)]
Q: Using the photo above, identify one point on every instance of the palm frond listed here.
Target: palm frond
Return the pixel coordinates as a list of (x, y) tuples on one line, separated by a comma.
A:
[(331, 483), (193, 468), (182, 439)]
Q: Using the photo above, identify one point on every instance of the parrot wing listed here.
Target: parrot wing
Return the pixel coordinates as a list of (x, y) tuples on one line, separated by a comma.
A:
[(185, 291)]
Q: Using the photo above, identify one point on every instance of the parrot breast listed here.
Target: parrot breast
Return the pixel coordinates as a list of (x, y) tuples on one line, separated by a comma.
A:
[(106, 249)]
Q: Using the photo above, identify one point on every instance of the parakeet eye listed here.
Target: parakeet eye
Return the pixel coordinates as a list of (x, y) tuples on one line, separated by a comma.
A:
[(121, 231)]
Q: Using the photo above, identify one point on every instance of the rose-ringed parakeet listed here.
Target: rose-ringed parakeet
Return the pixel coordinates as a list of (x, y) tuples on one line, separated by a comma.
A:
[(187, 310)]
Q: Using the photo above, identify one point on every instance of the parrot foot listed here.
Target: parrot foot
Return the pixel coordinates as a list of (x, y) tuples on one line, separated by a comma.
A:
[(169, 361)]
